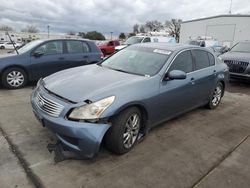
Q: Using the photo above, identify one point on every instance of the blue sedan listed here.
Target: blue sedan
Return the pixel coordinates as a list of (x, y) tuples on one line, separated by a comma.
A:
[(120, 99), (41, 58)]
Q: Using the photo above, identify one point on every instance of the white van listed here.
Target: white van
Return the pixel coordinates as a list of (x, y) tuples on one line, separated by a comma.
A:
[(142, 39)]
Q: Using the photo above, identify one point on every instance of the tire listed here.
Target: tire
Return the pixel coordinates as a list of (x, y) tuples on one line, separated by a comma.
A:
[(2, 47), (14, 78), (215, 97), (120, 138)]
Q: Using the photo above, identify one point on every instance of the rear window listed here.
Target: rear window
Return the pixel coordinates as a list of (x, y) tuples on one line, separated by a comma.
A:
[(211, 59)]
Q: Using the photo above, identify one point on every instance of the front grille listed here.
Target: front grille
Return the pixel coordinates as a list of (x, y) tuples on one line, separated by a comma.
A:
[(48, 106), (236, 66)]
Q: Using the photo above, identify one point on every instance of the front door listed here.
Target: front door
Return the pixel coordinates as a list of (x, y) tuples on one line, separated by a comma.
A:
[(50, 61), (177, 96)]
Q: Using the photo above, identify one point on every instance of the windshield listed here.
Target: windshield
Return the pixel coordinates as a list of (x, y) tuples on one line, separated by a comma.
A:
[(29, 46), (138, 60), (133, 40), (241, 47)]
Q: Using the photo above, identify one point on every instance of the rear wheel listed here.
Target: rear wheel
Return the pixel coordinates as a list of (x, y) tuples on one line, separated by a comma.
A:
[(216, 96), (2, 47), (14, 78), (123, 134)]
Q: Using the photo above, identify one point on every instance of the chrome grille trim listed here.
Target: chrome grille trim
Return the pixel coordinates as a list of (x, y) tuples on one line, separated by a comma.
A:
[(236, 66), (48, 106)]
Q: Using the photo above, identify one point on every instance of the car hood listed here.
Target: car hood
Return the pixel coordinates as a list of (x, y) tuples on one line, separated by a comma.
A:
[(239, 56), (91, 82)]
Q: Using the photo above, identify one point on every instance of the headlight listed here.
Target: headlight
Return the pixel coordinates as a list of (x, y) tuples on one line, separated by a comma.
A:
[(91, 111)]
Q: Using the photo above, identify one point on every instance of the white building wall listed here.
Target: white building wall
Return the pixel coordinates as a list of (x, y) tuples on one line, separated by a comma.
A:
[(227, 30)]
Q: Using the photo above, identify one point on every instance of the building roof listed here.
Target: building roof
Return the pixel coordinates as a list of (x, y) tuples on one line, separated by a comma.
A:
[(218, 16)]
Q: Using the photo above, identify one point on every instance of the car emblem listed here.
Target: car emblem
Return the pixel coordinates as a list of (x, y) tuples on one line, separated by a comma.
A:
[(40, 102)]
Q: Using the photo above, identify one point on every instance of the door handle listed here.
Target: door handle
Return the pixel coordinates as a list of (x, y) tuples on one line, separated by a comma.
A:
[(85, 56), (61, 58)]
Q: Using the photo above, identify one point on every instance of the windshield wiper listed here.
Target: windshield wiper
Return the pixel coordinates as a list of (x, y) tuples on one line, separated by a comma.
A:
[(126, 71)]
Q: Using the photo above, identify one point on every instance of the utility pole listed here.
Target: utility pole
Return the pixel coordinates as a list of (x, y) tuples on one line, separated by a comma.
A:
[(111, 35), (48, 30), (230, 10)]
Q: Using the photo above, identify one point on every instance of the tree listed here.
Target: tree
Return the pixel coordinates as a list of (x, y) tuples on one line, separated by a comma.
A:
[(142, 29), (30, 29), (136, 28), (154, 25), (81, 34), (122, 36), (173, 27), (131, 34), (5, 28), (94, 35)]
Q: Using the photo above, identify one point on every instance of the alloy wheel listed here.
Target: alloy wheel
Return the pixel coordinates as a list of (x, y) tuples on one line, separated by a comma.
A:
[(217, 95), (131, 130)]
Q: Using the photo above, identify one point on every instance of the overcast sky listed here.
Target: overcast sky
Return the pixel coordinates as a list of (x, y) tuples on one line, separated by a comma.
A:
[(108, 15)]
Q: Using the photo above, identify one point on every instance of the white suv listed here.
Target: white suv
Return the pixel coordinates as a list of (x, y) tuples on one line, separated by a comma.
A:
[(143, 39)]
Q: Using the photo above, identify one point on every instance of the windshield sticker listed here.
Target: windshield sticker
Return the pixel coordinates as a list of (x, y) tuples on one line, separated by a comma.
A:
[(166, 52)]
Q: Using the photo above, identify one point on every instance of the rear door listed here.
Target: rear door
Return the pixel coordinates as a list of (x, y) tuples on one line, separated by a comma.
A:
[(77, 53), (205, 74), (51, 60)]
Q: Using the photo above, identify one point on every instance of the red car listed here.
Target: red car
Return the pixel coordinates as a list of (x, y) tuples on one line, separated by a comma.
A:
[(108, 47)]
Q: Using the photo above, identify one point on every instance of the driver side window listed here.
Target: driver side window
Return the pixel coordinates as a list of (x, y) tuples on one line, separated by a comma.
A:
[(183, 62), (50, 48)]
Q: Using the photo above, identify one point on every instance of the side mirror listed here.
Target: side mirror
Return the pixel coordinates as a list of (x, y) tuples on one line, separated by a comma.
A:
[(175, 75), (38, 54)]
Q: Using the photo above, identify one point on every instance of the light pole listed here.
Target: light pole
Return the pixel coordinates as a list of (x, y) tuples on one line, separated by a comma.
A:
[(230, 10), (48, 30), (111, 35)]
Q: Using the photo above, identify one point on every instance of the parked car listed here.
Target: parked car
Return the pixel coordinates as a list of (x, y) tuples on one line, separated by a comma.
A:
[(203, 42), (218, 50), (9, 45), (118, 100), (41, 58), (238, 59), (108, 47), (145, 39)]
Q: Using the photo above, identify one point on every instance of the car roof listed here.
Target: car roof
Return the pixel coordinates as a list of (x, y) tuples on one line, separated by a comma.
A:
[(168, 46), (45, 40)]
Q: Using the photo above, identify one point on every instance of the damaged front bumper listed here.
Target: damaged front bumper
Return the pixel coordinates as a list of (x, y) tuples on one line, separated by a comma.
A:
[(81, 137)]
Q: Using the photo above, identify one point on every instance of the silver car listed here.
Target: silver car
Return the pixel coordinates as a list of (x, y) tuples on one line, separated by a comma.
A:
[(237, 59)]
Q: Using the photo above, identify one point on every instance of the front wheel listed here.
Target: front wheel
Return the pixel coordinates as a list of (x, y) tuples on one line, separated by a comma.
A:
[(123, 134), (216, 96), (14, 78)]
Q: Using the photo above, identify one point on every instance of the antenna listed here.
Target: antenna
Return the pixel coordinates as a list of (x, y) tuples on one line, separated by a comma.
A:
[(230, 10)]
